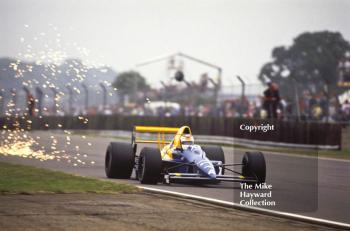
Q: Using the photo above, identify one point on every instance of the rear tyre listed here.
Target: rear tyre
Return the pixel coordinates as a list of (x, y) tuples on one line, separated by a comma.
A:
[(119, 160), (215, 153), (254, 165), (149, 166)]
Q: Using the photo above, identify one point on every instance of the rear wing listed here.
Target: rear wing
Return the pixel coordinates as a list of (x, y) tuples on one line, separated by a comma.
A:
[(162, 135), (165, 135), (151, 129)]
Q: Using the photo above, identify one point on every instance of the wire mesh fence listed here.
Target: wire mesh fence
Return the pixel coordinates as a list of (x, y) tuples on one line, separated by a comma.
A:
[(241, 101)]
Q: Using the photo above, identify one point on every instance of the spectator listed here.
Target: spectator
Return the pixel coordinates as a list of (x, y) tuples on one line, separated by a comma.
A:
[(31, 104), (346, 110), (271, 100)]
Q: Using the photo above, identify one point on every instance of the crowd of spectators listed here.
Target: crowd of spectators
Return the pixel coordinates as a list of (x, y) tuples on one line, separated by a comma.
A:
[(322, 108), (311, 107), (269, 104)]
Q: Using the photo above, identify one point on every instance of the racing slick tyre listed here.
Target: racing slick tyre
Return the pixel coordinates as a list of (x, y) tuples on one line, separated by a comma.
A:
[(119, 160), (254, 165), (215, 153), (149, 166)]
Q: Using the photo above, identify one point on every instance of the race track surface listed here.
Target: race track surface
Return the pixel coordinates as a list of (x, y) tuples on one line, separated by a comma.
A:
[(303, 185)]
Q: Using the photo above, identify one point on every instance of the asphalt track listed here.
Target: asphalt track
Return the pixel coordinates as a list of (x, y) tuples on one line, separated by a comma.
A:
[(307, 186)]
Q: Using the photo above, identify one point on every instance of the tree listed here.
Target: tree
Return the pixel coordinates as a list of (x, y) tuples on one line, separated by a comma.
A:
[(130, 83), (310, 63)]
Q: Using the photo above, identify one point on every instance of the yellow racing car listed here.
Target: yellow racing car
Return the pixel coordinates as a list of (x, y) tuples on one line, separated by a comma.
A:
[(177, 159)]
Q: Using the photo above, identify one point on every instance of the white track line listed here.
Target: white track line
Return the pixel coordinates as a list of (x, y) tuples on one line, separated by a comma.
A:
[(313, 220)]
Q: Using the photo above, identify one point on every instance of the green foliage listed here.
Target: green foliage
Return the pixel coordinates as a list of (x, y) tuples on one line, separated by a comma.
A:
[(130, 82), (311, 61), (29, 180)]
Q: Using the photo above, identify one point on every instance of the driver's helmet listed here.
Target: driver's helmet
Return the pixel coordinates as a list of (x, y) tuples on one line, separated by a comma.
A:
[(186, 141)]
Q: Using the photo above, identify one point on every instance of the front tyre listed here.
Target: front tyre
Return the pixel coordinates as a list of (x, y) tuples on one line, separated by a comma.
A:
[(119, 160), (254, 166)]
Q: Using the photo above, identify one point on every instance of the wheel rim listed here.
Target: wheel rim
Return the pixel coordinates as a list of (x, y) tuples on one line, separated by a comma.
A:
[(141, 168), (108, 161), (245, 171)]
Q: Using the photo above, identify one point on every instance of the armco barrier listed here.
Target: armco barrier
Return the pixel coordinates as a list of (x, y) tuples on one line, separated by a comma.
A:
[(210, 140), (309, 133)]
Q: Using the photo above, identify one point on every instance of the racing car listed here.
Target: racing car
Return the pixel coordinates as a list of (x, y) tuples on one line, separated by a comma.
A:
[(177, 159)]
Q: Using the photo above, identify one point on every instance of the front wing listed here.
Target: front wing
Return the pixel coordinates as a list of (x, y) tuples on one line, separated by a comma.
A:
[(182, 177), (195, 177)]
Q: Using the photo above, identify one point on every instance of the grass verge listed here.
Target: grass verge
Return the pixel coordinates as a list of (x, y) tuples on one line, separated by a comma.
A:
[(19, 179)]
